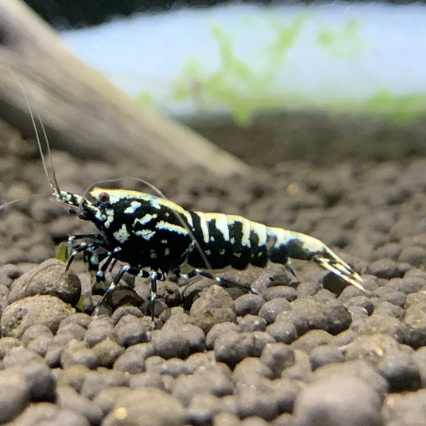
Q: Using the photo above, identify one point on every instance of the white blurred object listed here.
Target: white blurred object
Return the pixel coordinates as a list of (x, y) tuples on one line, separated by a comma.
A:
[(331, 56)]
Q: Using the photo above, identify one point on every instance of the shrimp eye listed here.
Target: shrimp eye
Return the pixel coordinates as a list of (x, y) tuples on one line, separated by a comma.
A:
[(103, 197)]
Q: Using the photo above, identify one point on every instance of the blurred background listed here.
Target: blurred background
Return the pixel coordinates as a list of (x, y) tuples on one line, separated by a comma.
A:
[(309, 81)]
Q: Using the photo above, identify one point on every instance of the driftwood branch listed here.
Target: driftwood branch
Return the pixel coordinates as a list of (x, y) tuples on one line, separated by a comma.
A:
[(82, 112)]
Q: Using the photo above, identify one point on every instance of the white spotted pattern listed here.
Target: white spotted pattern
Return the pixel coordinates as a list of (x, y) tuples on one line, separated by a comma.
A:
[(204, 227), (261, 232), (155, 203), (110, 217), (134, 205), (121, 235), (162, 225), (147, 218), (245, 231), (146, 234)]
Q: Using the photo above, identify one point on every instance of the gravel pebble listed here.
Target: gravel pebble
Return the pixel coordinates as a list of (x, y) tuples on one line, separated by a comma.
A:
[(105, 400), (79, 318), (284, 292), (74, 376), (99, 331), (40, 381), (234, 347), (301, 370), (361, 301), (244, 371), (69, 399), (40, 344), (34, 332), (389, 309), (385, 324), (74, 329), (76, 352), (107, 352), (284, 420), (195, 335), (49, 414), (415, 319), (203, 408), (20, 356), (226, 419), (270, 310), (49, 278), (308, 288), (170, 344), (134, 357), (251, 323), (248, 304), (277, 357), (41, 310), (336, 401), (219, 330), (385, 268), (14, 396), (6, 344), (214, 306), (122, 311), (397, 298), (401, 371), (147, 380), (282, 331), (312, 339), (371, 348), (323, 355), (95, 381), (259, 402), (130, 330), (128, 409), (405, 409), (212, 382), (358, 368), (414, 255)]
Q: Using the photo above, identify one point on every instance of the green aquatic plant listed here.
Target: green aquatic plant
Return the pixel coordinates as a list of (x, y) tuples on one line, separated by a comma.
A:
[(404, 108), (243, 86), (235, 84), (344, 43)]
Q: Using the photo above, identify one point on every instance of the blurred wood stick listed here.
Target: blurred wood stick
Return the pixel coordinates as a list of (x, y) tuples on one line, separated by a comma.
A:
[(84, 113)]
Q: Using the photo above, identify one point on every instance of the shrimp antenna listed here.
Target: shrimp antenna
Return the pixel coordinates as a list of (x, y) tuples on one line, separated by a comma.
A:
[(52, 180), (17, 200)]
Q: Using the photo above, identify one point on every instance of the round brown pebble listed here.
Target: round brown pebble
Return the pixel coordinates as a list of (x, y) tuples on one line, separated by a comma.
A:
[(49, 278), (323, 355), (133, 359), (336, 401), (219, 330), (248, 304), (76, 352), (107, 352), (42, 310), (50, 414), (69, 399), (14, 396), (170, 344), (270, 310), (278, 357), (213, 306), (141, 407)]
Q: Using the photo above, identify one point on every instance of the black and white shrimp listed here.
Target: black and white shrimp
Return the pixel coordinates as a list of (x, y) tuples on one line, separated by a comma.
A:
[(154, 236)]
